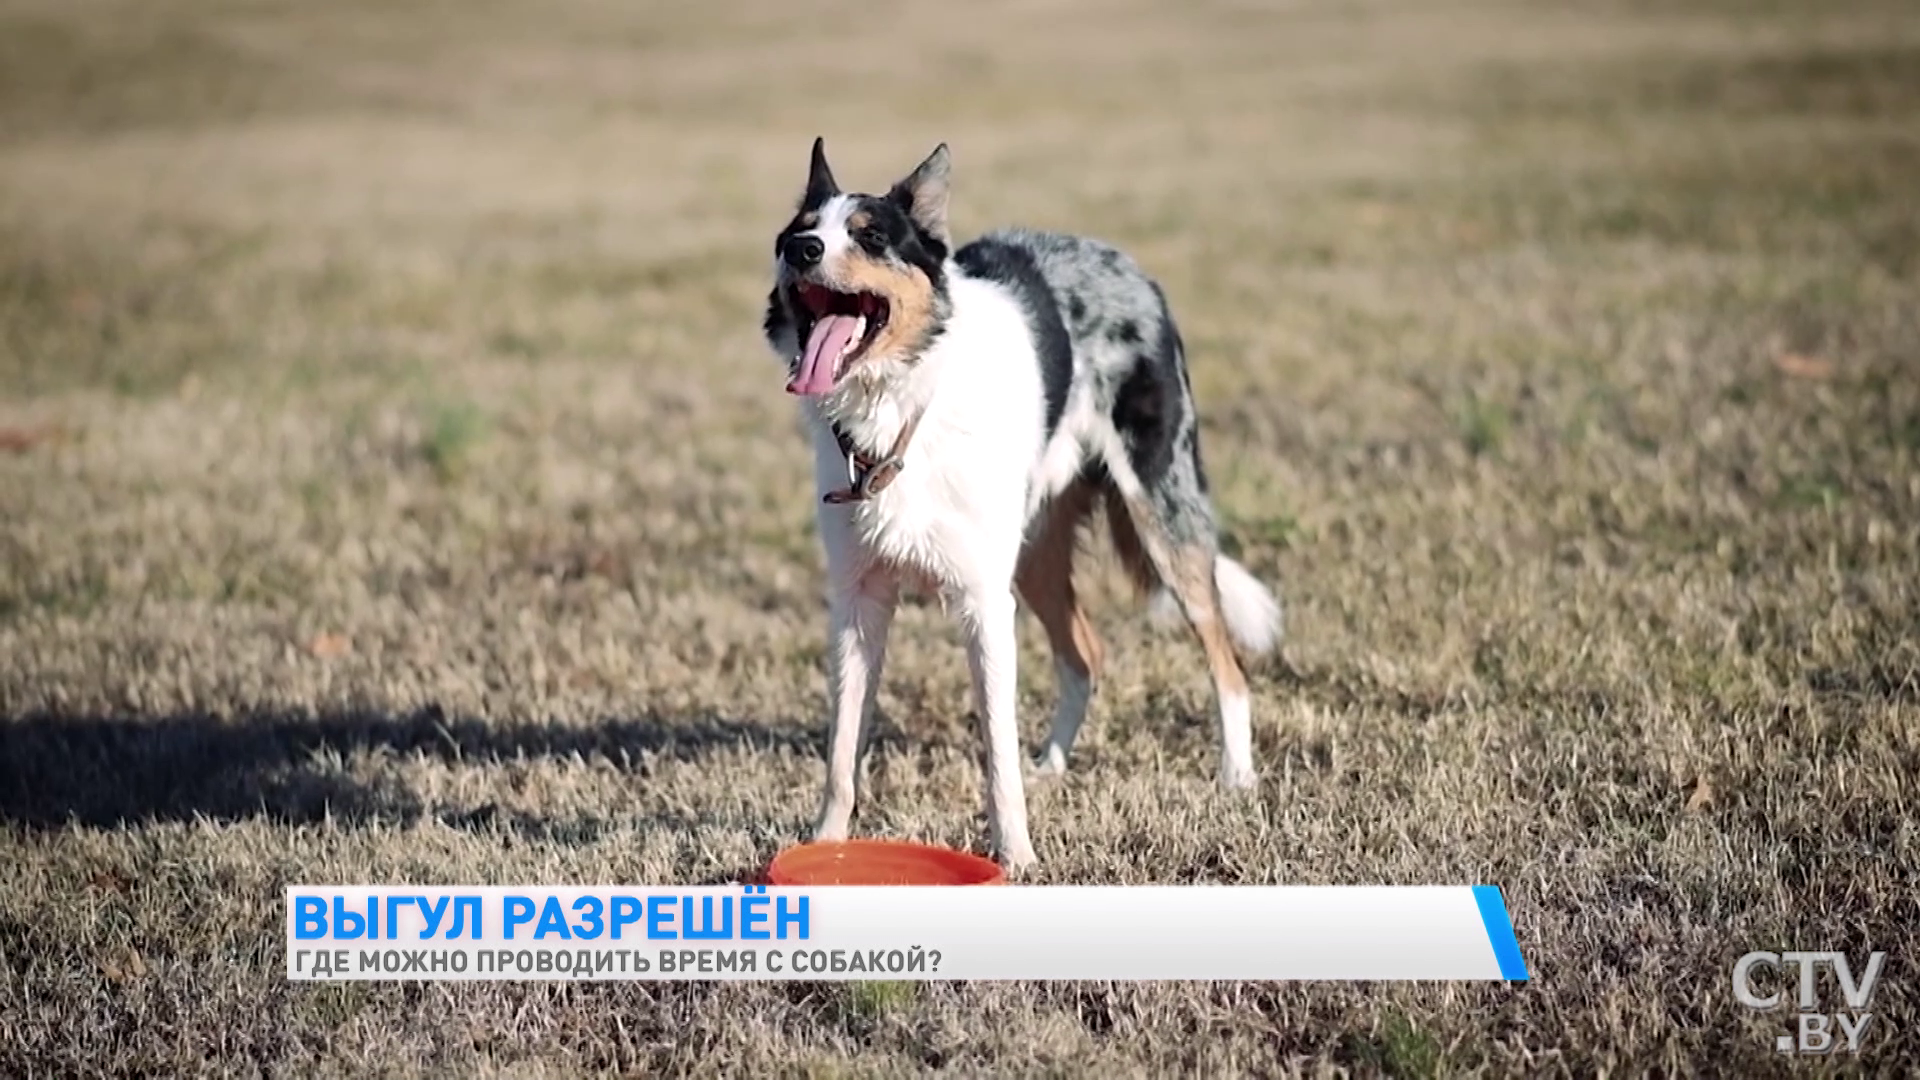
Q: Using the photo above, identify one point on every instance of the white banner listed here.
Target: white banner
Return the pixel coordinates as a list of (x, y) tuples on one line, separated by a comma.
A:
[(847, 933)]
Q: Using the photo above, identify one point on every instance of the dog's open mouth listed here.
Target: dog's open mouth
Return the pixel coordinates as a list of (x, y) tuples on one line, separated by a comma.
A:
[(837, 329)]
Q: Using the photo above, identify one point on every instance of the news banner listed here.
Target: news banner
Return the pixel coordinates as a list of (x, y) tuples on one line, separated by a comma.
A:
[(754, 932)]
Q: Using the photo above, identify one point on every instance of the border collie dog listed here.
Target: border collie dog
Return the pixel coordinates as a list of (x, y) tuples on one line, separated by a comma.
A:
[(971, 409)]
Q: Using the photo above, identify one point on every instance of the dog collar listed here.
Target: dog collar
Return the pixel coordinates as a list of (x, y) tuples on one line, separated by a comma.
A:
[(867, 475)]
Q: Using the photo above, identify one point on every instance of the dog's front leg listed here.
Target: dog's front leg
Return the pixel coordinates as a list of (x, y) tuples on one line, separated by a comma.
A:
[(861, 612), (992, 651)]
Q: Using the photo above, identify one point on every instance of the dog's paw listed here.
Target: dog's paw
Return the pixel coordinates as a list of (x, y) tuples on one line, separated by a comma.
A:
[(1018, 858), (1238, 777), (1049, 764), (829, 832), (1025, 875)]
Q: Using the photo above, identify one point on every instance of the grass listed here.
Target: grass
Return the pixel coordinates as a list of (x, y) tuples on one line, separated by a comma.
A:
[(423, 509), (1398, 1049), (453, 429)]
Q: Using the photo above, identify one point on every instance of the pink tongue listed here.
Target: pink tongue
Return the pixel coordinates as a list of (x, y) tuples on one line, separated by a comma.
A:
[(824, 346)]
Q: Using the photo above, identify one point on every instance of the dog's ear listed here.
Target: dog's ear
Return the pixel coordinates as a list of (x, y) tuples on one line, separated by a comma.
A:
[(923, 194), (820, 183)]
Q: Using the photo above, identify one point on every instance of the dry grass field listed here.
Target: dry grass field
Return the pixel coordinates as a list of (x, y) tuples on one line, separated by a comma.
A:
[(394, 487)]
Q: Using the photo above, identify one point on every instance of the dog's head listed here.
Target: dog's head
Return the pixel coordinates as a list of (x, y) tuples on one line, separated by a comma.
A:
[(859, 287)]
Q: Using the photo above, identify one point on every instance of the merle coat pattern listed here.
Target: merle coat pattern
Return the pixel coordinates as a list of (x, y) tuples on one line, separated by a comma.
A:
[(1028, 381)]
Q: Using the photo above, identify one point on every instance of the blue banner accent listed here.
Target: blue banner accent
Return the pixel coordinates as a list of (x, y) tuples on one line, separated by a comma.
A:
[(1506, 947)]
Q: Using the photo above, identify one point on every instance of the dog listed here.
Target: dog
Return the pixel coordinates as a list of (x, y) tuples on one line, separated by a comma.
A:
[(970, 410)]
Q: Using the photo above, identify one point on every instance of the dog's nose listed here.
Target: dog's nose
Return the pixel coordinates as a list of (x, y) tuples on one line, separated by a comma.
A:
[(803, 252)]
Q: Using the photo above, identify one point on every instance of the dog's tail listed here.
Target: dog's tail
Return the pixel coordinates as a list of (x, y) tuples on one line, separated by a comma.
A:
[(1255, 619), (1251, 610)]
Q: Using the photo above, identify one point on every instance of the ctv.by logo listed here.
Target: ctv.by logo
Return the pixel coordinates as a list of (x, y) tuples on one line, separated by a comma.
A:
[(1815, 1031)]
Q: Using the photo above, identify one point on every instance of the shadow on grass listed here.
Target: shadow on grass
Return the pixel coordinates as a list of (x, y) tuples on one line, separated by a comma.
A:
[(104, 771)]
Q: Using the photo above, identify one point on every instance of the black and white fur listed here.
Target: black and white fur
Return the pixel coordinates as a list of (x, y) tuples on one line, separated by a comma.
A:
[(1054, 384)]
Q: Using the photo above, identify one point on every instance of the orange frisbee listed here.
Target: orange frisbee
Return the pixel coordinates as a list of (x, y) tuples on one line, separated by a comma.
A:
[(880, 862)]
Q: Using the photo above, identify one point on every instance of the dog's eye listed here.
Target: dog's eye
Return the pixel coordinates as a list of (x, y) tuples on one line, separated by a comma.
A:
[(870, 237)]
